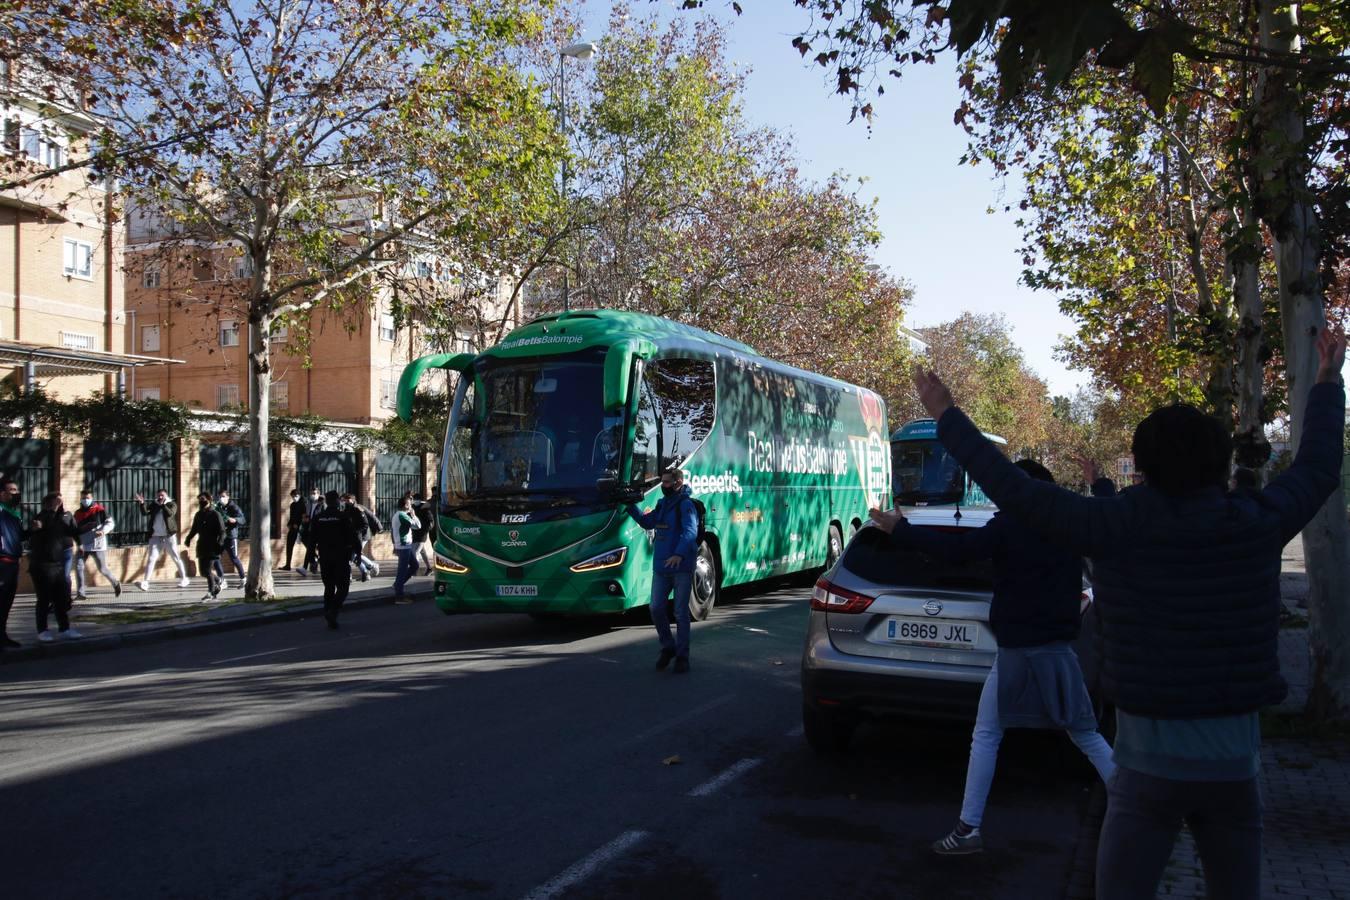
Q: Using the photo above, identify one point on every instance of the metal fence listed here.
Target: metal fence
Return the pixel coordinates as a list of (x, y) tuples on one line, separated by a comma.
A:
[(116, 473), (226, 467), (395, 475), (327, 470), (29, 462)]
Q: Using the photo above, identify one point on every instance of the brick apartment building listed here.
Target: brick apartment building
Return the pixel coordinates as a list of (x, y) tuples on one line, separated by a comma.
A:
[(183, 300), (61, 246)]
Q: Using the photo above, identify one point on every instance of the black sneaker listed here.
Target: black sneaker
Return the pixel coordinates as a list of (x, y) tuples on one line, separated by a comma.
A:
[(332, 623), (664, 659), (681, 664), (958, 844), (10, 642)]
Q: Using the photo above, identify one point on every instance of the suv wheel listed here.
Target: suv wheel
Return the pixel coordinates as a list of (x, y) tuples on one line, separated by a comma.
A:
[(827, 731)]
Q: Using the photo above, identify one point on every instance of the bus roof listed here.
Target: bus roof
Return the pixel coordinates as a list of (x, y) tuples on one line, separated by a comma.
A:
[(926, 429), (582, 329)]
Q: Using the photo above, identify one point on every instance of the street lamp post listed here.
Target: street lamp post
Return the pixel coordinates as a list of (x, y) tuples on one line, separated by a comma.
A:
[(583, 50)]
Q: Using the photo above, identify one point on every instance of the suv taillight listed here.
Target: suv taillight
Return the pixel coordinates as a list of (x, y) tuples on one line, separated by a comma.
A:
[(828, 597)]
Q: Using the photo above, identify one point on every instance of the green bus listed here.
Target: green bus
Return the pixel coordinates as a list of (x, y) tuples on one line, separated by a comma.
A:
[(925, 474), (554, 428)]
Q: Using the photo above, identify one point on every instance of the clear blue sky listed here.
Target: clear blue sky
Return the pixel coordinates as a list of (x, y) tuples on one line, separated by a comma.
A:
[(933, 212)]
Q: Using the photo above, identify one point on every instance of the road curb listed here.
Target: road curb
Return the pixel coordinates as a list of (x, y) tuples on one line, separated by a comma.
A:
[(187, 629)]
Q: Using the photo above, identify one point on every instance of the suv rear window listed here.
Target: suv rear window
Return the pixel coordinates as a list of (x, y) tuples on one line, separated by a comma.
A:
[(870, 556)]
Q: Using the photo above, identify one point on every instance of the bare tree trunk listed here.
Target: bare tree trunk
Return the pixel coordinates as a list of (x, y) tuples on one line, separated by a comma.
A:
[(1218, 323), (260, 585), (1244, 267), (1279, 129)]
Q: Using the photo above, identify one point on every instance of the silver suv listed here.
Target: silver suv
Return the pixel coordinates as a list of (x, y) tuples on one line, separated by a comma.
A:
[(902, 633)]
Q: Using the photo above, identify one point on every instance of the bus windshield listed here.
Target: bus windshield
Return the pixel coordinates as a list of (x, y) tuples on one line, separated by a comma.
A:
[(924, 472), (536, 427)]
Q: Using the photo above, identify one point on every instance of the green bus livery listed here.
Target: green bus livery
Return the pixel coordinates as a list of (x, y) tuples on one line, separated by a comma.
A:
[(925, 474), (555, 428)]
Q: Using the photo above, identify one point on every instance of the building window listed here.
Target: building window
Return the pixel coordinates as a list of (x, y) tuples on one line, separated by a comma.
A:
[(76, 341), (78, 259), (424, 268), (229, 333), (389, 391), (243, 267), (150, 277), (279, 334), (387, 327), (147, 393), (281, 397), (227, 396), (149, 338)]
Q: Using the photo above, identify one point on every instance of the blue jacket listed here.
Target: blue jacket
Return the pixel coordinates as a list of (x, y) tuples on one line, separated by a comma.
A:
[(11, 536), (1038, 586), (675, 521), (1188, 587)]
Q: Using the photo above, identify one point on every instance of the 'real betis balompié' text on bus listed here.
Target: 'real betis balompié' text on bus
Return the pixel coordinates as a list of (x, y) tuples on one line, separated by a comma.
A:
[(553, 430)]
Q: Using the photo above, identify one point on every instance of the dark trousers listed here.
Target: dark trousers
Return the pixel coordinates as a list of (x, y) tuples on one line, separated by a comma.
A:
[(9, 583), (337, 580), (210, 567), (232, 551), (52, 586), (1143, 816), (292, 533), (311, 555)]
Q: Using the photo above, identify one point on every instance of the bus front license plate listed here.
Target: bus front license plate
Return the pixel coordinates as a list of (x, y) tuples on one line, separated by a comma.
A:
[(517, 590), (935, 632)]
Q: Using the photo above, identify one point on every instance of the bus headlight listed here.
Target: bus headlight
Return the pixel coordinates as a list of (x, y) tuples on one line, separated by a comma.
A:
[(446, 564), (607, 560)]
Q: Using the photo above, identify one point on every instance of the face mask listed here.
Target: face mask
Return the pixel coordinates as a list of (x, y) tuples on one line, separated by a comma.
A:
[(203, 503), (668, 491), (314, 497), (224, 501), (87, 502)]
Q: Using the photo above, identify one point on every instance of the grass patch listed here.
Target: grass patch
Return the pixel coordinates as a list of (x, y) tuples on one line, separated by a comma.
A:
[(138, 616)]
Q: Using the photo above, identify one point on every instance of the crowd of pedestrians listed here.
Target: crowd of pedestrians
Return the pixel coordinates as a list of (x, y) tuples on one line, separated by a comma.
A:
[(335, 532)]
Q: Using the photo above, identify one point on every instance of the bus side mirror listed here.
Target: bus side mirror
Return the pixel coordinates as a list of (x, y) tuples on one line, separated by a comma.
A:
[(412, 374), (619, 369)]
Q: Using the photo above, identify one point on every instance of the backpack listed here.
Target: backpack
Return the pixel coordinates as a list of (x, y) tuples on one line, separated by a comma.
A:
[(702, 512)]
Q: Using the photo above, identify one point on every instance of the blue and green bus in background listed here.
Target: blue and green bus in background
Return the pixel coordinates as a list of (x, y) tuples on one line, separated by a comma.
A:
[(552, 430), (923, 473)]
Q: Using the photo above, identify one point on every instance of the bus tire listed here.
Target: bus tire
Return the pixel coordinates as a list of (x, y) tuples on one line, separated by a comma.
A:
[(835, 548), (703, 593)]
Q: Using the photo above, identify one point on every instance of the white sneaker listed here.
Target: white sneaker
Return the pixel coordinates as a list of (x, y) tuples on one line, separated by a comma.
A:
[(46, 637), (143, 585), (207, 597), (184, 582), (71, 634), (375, 570)]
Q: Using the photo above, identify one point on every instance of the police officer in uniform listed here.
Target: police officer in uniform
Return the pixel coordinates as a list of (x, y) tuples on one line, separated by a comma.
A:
[(334, 536)]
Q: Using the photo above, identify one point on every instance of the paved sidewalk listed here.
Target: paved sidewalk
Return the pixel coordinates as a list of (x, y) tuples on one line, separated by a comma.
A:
[(1305, 786), (167, 611)]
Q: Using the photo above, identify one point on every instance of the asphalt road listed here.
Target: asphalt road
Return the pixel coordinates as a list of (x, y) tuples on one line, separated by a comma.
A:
[(417, 755)]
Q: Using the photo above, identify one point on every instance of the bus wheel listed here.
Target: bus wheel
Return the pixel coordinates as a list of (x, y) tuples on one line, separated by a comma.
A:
[(704, 594), (836, 547)]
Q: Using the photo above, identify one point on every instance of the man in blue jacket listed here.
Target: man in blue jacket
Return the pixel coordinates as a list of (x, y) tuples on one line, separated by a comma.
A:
[(1187, 581), (675, 521)]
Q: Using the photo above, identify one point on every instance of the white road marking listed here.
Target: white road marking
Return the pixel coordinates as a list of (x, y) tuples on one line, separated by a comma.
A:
[(584, 868), (726, 777), (679, 720), (216, 662)]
